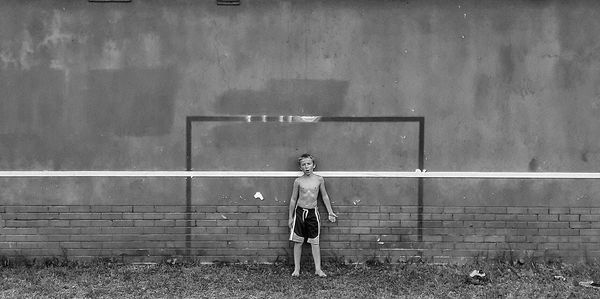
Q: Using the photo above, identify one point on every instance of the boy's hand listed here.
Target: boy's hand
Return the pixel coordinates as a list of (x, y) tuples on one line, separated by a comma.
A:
[(332, 217), (290, 222)]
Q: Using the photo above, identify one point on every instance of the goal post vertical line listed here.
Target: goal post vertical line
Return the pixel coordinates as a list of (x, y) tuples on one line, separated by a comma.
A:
[(420, 179), (188, 187)]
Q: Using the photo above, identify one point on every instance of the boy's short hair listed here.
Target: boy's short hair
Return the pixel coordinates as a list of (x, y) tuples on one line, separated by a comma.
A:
[(307, 155)]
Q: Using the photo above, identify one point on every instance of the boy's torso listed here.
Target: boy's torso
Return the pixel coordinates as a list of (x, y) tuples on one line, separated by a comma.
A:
[(308, 190)]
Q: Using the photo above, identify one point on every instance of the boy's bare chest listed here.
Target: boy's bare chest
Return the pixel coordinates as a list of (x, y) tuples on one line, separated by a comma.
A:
[(308, 192), (309, 185), (309, 189)]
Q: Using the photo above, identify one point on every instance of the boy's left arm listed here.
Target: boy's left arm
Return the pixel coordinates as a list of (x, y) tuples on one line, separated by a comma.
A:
[(332, 216)]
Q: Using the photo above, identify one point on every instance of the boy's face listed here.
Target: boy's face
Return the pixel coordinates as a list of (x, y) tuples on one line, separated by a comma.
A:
[(307, 166)]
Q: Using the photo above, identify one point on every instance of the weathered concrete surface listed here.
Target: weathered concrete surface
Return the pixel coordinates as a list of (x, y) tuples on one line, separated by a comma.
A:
[(503, 86), (506, 86)]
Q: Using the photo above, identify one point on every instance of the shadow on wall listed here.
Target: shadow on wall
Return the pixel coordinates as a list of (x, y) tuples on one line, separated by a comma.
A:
[(287, 97)]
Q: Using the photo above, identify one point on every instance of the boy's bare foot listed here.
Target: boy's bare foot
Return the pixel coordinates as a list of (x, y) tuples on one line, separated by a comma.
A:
[(321, 273), (296, 274)]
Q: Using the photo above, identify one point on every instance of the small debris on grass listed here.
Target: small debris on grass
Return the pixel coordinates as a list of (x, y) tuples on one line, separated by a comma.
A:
[(477, 277), (590, 284), (476, 273), (560, 277)]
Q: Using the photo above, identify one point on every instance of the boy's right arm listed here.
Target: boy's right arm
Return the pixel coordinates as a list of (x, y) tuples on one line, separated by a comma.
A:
[(293, 203)]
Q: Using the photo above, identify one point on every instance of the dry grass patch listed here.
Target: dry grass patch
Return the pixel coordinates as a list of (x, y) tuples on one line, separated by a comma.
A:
[(372, 280)]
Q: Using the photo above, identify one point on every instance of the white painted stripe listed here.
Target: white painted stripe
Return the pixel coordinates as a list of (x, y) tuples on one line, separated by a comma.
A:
[(336, 174)]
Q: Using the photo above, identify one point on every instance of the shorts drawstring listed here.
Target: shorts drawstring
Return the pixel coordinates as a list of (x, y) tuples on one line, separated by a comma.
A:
[(304, 214)]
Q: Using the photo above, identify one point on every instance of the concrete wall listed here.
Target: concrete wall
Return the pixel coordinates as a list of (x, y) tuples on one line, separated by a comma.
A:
[(503, 86)]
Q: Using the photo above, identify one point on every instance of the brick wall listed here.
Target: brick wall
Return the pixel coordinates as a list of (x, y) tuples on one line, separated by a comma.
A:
[(259, 233)]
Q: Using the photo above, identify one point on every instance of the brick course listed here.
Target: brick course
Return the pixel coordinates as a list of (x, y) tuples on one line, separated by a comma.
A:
[(260, 233)]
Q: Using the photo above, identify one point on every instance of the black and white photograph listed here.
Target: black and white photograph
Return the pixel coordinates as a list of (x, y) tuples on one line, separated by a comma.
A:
[(299, 149)]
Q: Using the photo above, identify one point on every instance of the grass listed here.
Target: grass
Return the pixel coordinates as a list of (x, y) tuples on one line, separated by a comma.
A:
[(369, 280)]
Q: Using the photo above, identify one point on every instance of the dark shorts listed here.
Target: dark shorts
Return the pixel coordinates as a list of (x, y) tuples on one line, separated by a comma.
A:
[(306, 226)]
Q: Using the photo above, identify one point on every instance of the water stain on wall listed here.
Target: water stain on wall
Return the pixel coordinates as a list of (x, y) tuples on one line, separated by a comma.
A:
[(32, 116), (506, 63), (32, 100), (132, 102), (533, 165), (579, 52), (569, 75), (482, 92)]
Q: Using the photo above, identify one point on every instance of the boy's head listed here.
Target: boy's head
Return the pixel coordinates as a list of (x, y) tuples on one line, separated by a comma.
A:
[(307, 162)]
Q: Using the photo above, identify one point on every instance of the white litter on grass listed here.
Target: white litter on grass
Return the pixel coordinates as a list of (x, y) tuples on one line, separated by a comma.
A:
[(356, 202), (258, 195)]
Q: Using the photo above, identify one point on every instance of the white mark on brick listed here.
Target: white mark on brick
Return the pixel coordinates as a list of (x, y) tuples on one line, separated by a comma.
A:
[(356, 202), (223, 216), (258, 195)]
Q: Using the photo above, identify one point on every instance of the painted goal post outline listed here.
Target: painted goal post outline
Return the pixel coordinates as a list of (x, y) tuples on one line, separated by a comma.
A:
[(298, 119)]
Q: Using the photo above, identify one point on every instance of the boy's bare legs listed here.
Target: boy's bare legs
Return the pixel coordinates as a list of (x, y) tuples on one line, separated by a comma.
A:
[(297, 256), (316, 252)]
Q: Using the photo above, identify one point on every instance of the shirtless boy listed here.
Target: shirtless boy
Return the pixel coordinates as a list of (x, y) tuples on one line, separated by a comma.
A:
[(304, 217)]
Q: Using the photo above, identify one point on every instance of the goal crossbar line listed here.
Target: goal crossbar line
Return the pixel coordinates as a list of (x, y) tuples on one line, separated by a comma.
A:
[(336, 174)]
